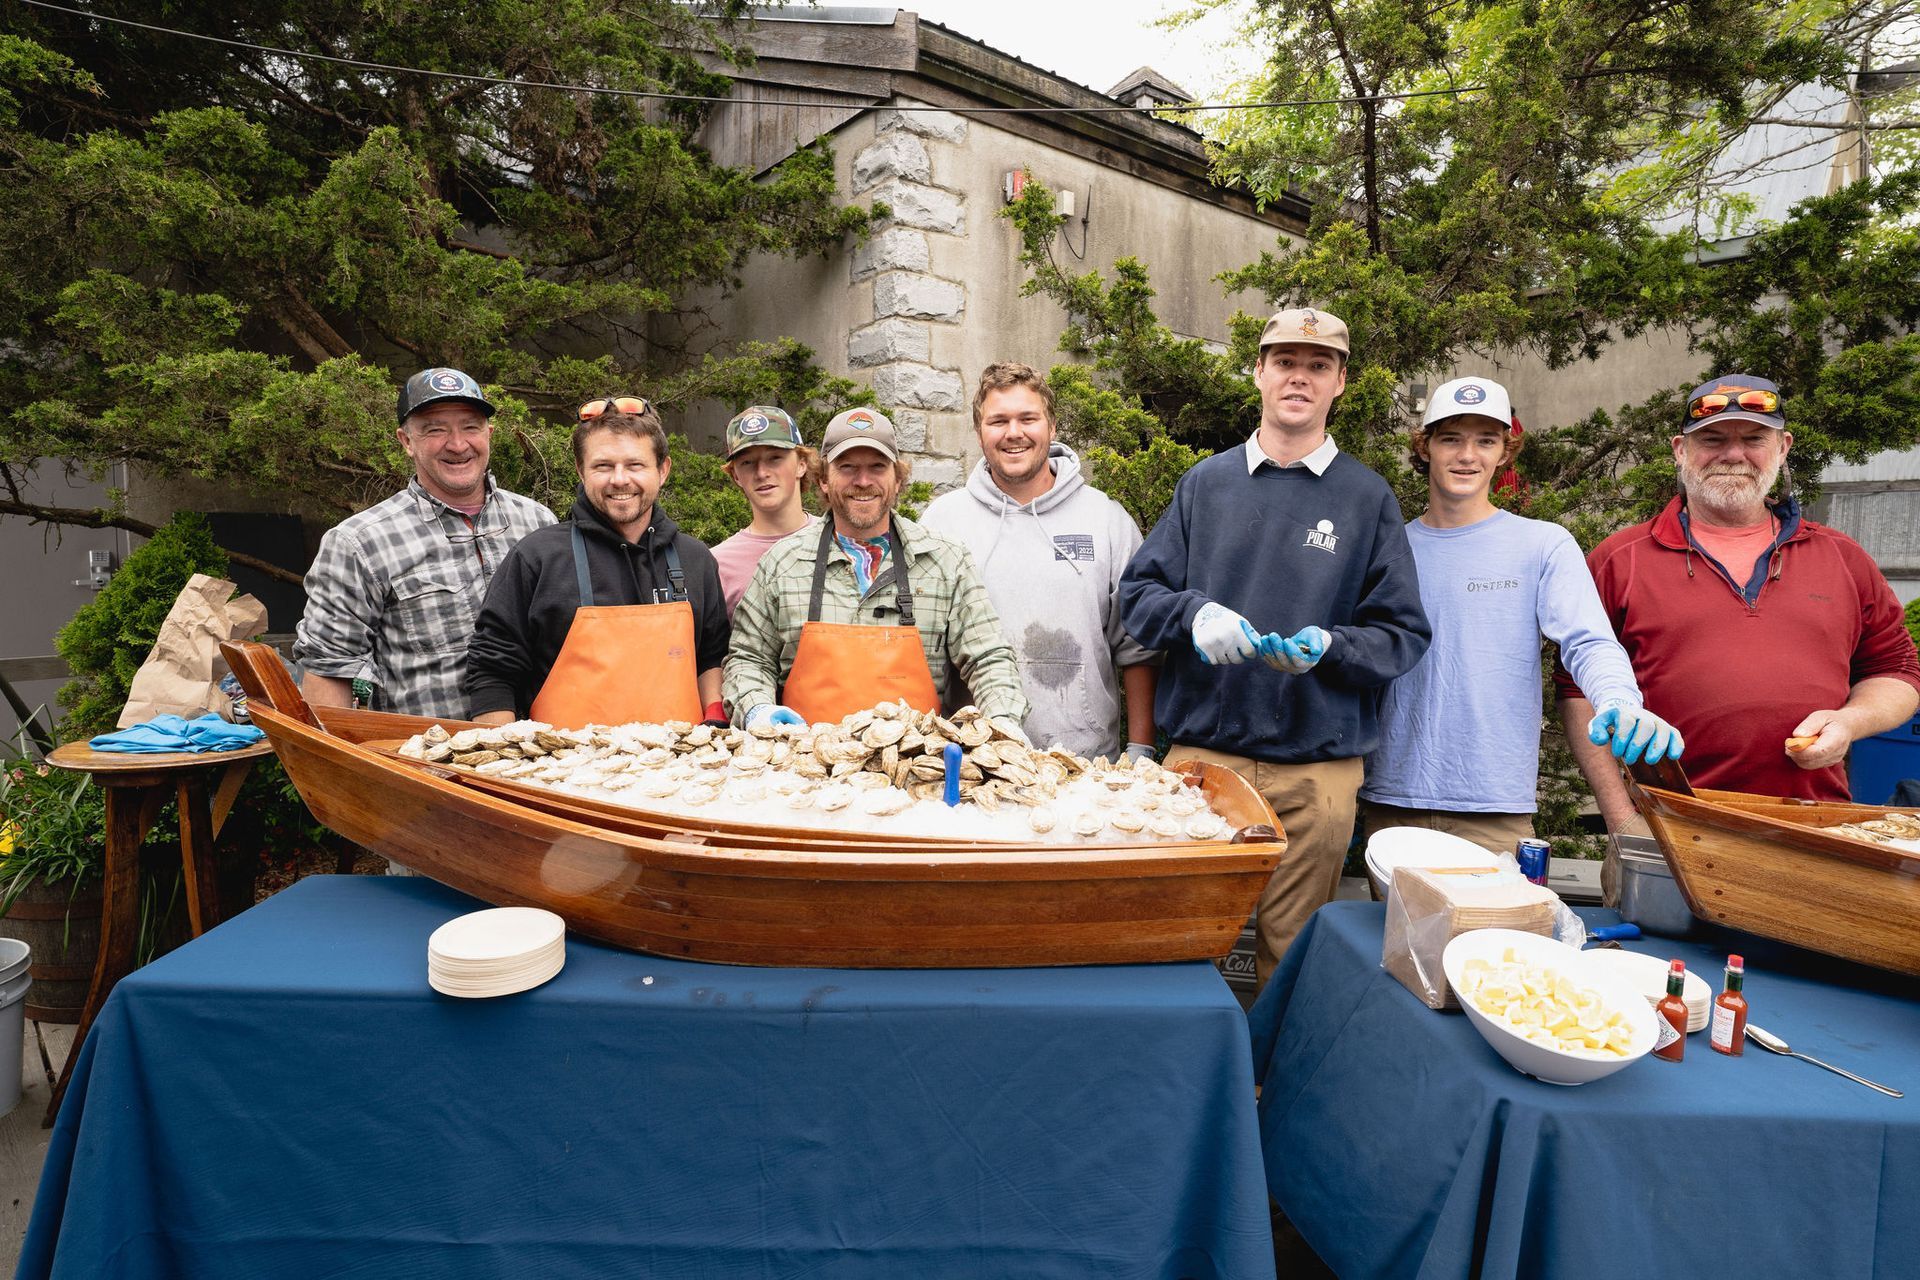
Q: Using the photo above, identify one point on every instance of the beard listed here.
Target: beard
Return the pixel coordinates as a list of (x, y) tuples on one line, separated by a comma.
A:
[(841, 504), (1733, 488)]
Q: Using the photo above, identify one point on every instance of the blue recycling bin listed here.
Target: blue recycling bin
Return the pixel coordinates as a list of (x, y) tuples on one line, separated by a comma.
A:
[(1878, 764)]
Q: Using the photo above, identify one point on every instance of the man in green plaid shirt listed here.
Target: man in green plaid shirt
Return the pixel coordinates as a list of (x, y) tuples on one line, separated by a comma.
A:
[(967, 654)]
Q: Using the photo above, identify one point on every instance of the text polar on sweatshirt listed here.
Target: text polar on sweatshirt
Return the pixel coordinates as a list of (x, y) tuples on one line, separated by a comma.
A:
[(1052, 569), (1286, 549), (1461, 731)]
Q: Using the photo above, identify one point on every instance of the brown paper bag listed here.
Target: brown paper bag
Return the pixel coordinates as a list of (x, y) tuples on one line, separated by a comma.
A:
[(181, 677)]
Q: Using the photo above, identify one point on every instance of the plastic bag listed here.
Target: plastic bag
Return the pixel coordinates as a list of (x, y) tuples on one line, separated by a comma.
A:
[(1427, 909)]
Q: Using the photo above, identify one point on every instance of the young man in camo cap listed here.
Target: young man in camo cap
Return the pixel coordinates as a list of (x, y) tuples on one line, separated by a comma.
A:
[(767, 460)]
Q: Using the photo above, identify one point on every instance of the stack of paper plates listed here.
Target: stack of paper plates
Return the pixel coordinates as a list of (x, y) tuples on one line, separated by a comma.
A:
[(496, 952), (1395, 847), (1648, 976)]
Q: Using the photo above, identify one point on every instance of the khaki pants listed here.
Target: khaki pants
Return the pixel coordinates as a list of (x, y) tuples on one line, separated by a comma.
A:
[(1494, 832), (1315, 805)]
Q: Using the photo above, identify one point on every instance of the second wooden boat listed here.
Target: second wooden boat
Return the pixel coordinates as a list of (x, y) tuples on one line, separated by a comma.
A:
[(1767, 866)]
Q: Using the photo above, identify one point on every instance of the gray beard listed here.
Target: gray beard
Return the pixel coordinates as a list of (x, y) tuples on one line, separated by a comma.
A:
[(1728, 493)]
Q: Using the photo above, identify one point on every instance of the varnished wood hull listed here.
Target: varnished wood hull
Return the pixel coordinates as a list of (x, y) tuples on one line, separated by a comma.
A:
[(1762, 865), (862, 905)]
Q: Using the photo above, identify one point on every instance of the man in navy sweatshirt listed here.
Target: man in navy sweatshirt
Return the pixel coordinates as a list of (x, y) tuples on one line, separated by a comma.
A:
[(1293, 553)]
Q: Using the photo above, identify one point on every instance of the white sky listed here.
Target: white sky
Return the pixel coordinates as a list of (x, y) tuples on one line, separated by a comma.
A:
[(1094, 42)]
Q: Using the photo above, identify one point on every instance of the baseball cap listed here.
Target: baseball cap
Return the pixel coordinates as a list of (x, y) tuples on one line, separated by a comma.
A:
[(761, 424), (859, 429), (430, 386), (1735, 397), (1306, 326), (1481, 397)]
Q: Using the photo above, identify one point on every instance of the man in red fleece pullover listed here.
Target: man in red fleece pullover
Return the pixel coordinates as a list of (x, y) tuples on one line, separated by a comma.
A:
[(1771, 642)]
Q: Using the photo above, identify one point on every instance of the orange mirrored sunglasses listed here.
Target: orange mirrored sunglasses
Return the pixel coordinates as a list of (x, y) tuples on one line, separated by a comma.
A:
[(613, 404), (1720, 401)]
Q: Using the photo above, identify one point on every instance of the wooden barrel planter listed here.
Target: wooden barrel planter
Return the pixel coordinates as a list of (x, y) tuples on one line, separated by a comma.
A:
[(63, 928)]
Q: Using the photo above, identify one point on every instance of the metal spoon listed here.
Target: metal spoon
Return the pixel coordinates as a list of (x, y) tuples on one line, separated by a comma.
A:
[(1774, 1044)]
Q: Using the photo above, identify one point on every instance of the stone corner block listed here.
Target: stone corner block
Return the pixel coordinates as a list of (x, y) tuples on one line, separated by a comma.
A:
[(913, 204), (918, 386), (889, 342), (942, 126), (910, 428), (895, 249), (919, 297), (894, 155)]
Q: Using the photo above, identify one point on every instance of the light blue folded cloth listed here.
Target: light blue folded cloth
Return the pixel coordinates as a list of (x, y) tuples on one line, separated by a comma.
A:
[(171, 733)]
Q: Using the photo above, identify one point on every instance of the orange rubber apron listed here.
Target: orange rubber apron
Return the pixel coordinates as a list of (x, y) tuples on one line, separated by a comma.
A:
[(622, 663), (841, 667)]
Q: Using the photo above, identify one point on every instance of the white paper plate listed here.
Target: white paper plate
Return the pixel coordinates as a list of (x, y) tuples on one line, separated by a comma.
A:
[(496, 952), (1648, 975), (1393, 847), (498, 933)]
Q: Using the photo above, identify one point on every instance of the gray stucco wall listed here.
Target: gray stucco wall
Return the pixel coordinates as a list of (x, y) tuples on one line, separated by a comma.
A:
[(934, 296)]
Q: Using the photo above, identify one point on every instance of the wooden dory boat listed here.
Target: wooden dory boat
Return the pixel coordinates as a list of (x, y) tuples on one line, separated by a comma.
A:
[(1761, 864), (858, 905)]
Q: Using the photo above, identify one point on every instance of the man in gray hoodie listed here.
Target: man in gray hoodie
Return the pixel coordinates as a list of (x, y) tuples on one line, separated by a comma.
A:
[(1051, 549)]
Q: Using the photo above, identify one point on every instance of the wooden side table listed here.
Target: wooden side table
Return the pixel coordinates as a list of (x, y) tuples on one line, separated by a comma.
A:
[(137, 786)]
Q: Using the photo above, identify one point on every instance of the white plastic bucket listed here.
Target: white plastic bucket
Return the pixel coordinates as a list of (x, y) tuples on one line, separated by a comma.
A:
[(15, 956)]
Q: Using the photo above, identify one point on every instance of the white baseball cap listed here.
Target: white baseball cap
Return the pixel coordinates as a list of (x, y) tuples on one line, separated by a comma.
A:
[(1481, 397)]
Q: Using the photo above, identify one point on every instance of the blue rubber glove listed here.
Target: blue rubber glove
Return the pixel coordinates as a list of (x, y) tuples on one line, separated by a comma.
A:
[(1637, 734), (772, 713), (1295, 654), (1222, 637), (1138, 751)]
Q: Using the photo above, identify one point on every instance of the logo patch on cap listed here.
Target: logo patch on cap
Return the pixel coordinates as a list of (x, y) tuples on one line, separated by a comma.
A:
[(446, 380), (1472, 393), (861, 420), (753, 424), (1310, 324)]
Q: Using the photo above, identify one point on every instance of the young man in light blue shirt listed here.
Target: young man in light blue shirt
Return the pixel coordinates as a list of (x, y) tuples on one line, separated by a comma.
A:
[(1460, 733)]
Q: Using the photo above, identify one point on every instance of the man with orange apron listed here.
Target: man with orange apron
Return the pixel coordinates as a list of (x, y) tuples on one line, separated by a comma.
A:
[(869, 608), (614, 615)]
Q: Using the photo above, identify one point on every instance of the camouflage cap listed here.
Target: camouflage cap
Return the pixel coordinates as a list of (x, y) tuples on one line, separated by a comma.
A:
[(762, 424)]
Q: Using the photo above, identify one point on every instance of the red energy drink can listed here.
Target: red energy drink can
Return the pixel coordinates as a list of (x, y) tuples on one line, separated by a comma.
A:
[(1533, 856)]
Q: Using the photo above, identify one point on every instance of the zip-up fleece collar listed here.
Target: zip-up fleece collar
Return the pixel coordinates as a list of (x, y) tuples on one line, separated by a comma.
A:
[(1671, 530), (1671, 533)]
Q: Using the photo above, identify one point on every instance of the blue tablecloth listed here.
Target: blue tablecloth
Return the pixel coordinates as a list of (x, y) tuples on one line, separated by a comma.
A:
[(286, 1097), (1400, 1144)]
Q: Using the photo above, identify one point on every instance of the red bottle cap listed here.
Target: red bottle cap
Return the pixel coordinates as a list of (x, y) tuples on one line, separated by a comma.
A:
[(1678, 967), (1735, 962)]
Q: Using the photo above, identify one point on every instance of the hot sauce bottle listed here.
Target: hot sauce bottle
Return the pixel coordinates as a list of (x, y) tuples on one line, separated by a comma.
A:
[(1729, 1034), (1670, 1017)]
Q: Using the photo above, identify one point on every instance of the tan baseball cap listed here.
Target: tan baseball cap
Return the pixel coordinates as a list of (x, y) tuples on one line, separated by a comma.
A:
[(859, 429), (1308, 327)]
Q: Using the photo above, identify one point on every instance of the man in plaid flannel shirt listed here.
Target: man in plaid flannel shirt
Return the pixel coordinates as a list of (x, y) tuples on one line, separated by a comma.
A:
[(394, 590)]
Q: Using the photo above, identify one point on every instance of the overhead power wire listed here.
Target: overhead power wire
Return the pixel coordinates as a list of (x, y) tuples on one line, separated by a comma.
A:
[(660, 96)]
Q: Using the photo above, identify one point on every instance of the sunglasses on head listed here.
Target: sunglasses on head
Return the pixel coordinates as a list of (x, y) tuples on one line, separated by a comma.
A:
[(1721, 401), (613, 404)]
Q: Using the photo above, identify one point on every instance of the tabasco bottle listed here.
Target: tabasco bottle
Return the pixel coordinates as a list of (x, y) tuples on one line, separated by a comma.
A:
[(1729, 1034), (1670, 1015)]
